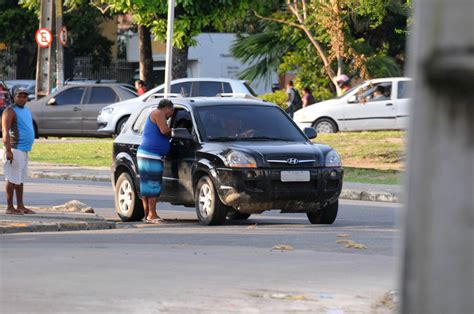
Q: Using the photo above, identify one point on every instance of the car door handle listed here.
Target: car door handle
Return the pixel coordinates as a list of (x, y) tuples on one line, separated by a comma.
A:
[(76, 109), (389, 104)]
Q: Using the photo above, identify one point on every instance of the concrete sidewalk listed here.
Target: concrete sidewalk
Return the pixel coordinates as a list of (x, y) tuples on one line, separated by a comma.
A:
[(47, 221)]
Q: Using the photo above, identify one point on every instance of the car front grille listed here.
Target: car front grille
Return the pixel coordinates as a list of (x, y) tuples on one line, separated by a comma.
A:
[(292, 161)]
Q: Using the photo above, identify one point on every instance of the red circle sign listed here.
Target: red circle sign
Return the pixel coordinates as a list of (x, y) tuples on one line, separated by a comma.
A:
[(62, 36), (43, 37)]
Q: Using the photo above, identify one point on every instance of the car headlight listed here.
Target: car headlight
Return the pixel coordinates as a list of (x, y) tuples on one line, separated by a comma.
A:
[(333, 159), (236, 159), (107, 110)]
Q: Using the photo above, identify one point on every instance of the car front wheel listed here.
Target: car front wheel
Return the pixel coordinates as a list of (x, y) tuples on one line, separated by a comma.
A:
[(325, 126), (324, 216), (120, 125), (209, 208), (128, 205)]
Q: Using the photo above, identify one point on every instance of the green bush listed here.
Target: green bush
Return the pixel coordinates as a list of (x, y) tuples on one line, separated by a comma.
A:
[(279, 97)]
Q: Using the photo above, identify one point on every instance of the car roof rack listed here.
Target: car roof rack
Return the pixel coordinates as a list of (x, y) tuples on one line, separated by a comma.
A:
[(238, 95), (162, 95)]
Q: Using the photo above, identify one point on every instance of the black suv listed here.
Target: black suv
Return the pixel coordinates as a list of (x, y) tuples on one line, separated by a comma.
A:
[(232, 157)]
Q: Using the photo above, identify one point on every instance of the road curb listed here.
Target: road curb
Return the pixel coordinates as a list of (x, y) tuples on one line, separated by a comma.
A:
[(8, 227), (67, 176), (374, 196)]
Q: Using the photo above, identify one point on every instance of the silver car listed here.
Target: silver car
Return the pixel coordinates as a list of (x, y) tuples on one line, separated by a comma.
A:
[(111, 119), (73, 110)]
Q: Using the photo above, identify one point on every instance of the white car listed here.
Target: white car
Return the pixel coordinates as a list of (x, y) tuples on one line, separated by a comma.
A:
[(112, 118), (358, 110)]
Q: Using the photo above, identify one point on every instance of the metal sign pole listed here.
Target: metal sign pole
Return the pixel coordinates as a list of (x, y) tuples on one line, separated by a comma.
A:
[(169, 47), (59, 45)]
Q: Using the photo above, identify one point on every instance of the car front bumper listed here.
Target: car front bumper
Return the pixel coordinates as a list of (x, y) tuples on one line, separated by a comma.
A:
[(257, 190), (105, 124)]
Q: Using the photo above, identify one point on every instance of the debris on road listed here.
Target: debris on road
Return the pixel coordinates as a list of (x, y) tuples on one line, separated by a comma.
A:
[(343, 235), (351, 244), (283, 247), (74, 206)]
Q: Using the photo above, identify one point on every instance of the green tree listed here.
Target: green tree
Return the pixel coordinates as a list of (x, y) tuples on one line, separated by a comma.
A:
[(191, 19), (363, 38), (84, 31), (21, 41)]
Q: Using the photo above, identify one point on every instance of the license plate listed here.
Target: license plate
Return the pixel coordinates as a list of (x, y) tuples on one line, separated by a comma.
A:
[(295, 176)]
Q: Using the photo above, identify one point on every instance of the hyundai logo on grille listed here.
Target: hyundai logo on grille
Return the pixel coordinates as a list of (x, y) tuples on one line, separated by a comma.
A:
[(292, 161)]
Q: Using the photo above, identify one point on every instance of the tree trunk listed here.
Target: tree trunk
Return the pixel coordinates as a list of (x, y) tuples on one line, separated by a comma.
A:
[(180, 63), (146, 57)]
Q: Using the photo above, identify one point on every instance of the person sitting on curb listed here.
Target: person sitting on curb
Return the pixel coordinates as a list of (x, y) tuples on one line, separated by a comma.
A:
[(18, 137)]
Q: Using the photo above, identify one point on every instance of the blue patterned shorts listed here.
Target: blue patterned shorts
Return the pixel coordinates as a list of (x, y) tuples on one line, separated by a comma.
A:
[(151, 176)]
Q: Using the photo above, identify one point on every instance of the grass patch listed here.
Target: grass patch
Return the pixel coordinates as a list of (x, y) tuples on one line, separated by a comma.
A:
[(93, 153), (377, 150), (373, 176)]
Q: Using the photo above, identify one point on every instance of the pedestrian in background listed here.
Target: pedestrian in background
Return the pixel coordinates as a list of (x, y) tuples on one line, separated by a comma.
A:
[(18, 136), (343, 81), (307, 98), (294, 99), (140, 87), (155, 145)]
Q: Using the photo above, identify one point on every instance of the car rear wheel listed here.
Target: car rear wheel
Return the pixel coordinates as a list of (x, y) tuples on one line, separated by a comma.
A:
[(120, 125), (209, 208), (235, 215), (325, 216), (128, 205), (325, 125)]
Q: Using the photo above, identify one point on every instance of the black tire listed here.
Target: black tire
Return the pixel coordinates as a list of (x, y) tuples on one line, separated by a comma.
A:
[(120, 125), (325, 125), (209, 208), (235, 215), (325, 216), (128, 205)]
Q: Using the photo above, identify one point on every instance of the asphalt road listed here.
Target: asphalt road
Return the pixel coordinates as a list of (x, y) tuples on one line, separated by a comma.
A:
[(187, 268)]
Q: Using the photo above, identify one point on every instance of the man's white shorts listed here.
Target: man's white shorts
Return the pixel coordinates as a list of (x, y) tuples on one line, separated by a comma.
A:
[(16, 172)]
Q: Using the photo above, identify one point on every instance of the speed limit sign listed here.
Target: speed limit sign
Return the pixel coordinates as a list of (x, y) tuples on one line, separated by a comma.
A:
[(43, 37)]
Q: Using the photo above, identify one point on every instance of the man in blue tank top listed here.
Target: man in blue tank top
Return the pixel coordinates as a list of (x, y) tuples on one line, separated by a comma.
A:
[(18, 137), (155, 145)]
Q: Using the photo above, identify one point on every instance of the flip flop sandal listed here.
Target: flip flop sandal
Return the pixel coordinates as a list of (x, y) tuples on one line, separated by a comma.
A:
[(28, 211), (155, 221), (14, 212)]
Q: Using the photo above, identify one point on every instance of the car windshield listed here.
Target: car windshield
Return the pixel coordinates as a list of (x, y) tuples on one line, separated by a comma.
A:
[(225, 123)]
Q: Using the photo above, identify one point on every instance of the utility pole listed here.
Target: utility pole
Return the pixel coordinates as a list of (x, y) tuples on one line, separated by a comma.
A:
[(438, 262), (50, 59), (169, 47)]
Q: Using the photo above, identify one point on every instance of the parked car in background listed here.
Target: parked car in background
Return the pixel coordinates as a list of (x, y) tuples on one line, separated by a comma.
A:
[(4, 98), (357, 109), (227, 158), (30, 86), (73, 109), (112, 118)]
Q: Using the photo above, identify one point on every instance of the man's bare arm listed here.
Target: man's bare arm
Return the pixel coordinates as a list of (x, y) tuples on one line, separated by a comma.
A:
[(7, 120), (160, 120)]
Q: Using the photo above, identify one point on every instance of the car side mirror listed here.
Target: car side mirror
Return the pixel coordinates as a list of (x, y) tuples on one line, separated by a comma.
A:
[(352, 100), (52, 102), (181, 134), (310, 133)]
